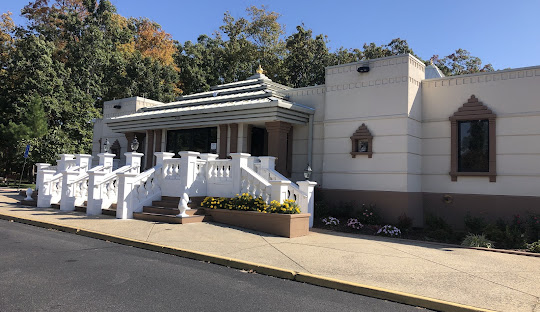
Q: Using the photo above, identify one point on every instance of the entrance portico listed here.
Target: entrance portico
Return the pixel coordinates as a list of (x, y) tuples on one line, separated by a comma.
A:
[(251, 116)]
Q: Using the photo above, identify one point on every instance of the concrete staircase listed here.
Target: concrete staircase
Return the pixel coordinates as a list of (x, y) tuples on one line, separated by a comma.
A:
[(165, 210)]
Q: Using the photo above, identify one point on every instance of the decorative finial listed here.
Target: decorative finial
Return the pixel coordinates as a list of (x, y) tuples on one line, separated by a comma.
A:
[(259, 70), (431, 61)]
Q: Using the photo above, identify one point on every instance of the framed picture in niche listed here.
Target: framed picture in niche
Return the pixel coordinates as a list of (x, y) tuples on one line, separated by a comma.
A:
[(362, 142)]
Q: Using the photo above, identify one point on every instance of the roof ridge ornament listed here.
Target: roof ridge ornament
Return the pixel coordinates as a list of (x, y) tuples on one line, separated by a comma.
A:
[(259, 70)]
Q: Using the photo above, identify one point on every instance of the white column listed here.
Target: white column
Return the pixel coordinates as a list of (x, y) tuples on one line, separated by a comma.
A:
[(239, 161), (44, 194), (268, 162), (133, 159), (161, 156), (39, 179), (308, 187), (95, 192), (67, 201), (124, 209), (279, 190), (61, 164), (187, 168), (106, 160), (83, 161)]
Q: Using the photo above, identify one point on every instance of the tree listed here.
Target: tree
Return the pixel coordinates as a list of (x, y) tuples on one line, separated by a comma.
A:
[(395, 47), (460, 63), (306, 58)]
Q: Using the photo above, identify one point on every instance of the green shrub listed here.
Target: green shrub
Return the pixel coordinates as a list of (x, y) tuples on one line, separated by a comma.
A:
[(494, 233), (404, 222), (475, 240), (437, 229), (437, 223), (532, 228), (474, 225), (321, 209), (534, 247), (369, 215)]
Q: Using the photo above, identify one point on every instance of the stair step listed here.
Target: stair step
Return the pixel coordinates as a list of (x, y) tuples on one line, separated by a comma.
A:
[(109, 211), (168, 218), (170, 211), (32, 203)]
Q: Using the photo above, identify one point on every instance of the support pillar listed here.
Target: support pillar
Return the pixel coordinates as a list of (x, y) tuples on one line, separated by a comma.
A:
[(277, 143), (223, 133), (149, 149), (234, 138)]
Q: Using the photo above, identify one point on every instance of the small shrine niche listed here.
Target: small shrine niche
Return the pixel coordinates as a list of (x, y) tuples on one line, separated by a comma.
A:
[(362, 142)]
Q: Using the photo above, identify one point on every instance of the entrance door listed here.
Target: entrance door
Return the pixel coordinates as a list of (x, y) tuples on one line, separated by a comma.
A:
[(259, 142)]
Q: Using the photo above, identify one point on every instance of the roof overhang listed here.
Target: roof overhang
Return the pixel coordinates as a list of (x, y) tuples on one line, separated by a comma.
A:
[(270, 109)]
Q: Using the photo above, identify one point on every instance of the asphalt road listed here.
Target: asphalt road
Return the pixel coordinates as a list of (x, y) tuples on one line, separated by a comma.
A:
[(47, 270)]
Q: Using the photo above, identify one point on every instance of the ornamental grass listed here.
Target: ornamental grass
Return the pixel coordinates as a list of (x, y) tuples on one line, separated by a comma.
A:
[(246, 202)]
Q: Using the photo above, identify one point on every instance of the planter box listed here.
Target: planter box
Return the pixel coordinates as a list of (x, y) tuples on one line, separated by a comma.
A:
[(288, 225)]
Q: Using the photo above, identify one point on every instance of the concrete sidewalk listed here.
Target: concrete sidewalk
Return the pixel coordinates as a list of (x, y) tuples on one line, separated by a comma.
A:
[(488, 280)]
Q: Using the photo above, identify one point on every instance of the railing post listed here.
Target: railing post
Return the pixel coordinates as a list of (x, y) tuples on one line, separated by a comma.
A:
[(95, 193), (307, 187), (61, 164), (106, 161), (45, 192), (133, 159), (67, 201), (208, 157), (279, 190), (124, 209), (187, 169), (268, 162), (239, 161), (83, 161), (39, 179), (162, 156)]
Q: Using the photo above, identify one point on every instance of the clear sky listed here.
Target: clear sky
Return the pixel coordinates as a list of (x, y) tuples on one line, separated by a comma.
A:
[(504, 33)]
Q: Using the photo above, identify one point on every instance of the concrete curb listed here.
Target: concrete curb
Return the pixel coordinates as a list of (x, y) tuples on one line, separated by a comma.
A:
[(369, 291)]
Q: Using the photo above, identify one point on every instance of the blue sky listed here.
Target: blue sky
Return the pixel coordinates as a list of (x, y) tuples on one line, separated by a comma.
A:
[(504, 33)]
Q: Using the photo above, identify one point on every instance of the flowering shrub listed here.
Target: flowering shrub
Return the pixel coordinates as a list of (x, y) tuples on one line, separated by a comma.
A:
[(215, 202), (289, 206), (330, 221), (247, 202), (368, 215), (354, 223), (389, 230)]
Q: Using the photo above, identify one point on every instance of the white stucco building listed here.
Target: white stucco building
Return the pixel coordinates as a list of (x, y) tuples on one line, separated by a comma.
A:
[(399, 135)]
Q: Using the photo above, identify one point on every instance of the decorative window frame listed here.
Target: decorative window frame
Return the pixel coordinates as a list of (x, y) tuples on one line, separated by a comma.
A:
[(362, 133), (473, 110)]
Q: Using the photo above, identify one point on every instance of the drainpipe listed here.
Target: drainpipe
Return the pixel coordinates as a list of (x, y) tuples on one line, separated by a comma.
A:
[(310, 141)]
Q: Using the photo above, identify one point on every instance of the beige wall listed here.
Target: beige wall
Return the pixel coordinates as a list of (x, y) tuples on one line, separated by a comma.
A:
[(102, 131), (513, 95)]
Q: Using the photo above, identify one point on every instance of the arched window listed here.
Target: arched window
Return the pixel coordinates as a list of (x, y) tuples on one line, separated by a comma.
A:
[(472, 137)]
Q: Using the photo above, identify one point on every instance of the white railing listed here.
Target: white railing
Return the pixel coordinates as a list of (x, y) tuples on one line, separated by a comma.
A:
[(53, 187), (104, 188), (219, 170), (137, 190), (255, 185), (171, 169), (146, 187), (80, 189)]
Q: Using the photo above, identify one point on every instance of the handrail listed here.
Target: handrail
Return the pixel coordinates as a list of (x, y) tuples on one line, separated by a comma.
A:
[(255, 185)]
